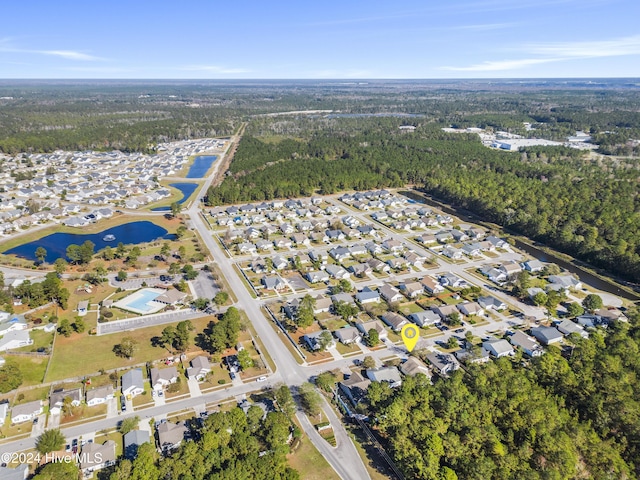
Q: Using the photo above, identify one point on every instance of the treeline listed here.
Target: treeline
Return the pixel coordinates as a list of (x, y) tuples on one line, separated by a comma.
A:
[(551, 418), (583, 208), (230, 445)]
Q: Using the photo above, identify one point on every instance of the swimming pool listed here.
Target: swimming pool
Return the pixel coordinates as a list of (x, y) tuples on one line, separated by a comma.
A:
[(141, 301)]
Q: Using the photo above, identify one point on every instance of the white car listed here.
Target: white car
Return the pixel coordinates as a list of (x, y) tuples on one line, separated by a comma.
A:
[(261, 379)]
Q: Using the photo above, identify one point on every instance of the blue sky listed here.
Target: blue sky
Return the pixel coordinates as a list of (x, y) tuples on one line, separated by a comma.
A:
[(210, 39)]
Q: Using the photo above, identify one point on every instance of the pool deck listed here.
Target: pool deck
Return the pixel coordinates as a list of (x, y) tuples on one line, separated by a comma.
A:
[(126, 302)]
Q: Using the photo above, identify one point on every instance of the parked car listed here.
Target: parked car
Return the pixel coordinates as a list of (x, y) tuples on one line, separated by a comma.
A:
[(261, 379)]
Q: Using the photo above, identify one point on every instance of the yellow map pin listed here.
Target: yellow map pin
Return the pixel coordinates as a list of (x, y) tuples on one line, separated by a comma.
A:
[(410, 336)]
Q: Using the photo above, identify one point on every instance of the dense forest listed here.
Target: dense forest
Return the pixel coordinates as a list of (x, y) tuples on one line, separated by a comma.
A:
[(551, 418), (587, 208)]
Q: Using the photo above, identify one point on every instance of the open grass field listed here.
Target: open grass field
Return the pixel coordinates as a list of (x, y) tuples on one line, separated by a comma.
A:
[(312, 466), (32, 368), (82, 354)]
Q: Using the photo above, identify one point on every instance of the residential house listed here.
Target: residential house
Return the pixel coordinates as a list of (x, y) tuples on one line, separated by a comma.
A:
[(397, 263), (475, 355), (366, 295), (529, 346), (378, 265), (161, 378), (533, 266), (390, 294), (15, 339), (445, 311), (452, 252), (337, 272), (470, 308), (313, 340), (567, 327), (511, 268), (361, 270), (491, 303), (546, 335), (339, 253), (444, 363), (133, 440), (200, 367), (323, 304), (171, 435), (425, 318), (273, 283), (348, 335), (497, 242), (377, 325), (413, 366), (452, 280), (431, 286), (567, 281), (95, 456), (591, 321), (59, 397), (498, 347), (4, 409), (392, 245), (26, 411), (394, 320), (132, 383), (611, 314), (99, 395), (342, 297), (390, 375), (317, 256), (412, 289), (355, 387), (317, 276), (496, 275), (279, 263), (427, 239)]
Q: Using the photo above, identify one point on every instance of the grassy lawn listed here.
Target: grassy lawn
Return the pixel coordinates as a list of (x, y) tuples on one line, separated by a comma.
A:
[(84, 412), (22, 429), (30, 395), (31, 367), (175, 195), (182, 390), (116, 437), (66, 363), (145, 398), (370, 457), (333, 323), (351, 349), (409, 308), (218, 372)]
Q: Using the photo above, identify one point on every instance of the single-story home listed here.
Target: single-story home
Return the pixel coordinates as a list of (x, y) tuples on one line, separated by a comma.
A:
[(199, 368), (391, 375), (546, 335), (347, 335), (99, 395), (161, 378), (133, 440), (95, 456), (498, 348), (529, 345), (26, 411), (171, 435), (132, 383)]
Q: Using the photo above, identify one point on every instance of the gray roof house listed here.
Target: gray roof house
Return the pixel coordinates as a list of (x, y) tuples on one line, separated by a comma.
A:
[(491, 303), (498, 347), (366, 295), (391, 375), (160, 378), (57, 399), (170, 435), (546, 335), (413, 366), (132, 383), (347, 335), (99, 395), (95, 456), (394, 320), (355, 387), (375, 324), (529, 345), (26, 411), (567, 327), (199, 368), (424, 318), (132, 442), (444, 363)]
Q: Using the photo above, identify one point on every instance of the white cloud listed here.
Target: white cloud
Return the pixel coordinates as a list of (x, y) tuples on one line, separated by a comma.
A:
[(68, 54), (589, 49), (556, 52)]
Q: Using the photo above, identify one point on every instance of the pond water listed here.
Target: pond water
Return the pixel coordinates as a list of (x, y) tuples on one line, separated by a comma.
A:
[(201, 164), (186, 188), (56, 244)]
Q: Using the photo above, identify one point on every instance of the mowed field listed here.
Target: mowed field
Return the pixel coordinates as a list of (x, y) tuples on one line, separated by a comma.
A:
[(83, 354)]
